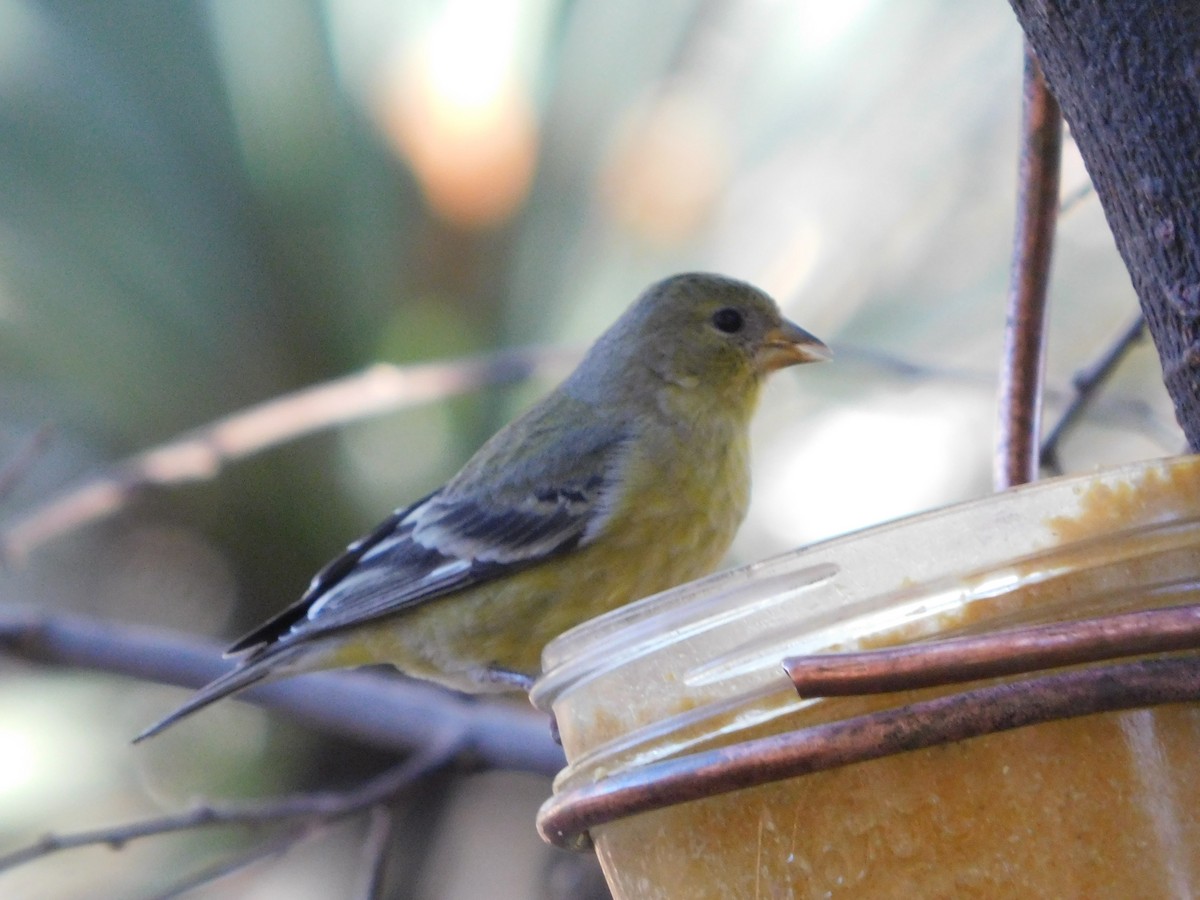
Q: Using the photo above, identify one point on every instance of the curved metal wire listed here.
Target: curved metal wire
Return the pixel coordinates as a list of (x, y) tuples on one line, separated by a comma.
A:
[(978, 711)]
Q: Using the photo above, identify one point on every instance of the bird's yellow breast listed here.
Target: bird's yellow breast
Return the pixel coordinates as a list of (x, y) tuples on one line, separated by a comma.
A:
[(668, 524)]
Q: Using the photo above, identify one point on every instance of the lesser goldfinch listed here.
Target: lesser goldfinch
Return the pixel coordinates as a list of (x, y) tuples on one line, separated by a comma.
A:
[(629, 478)]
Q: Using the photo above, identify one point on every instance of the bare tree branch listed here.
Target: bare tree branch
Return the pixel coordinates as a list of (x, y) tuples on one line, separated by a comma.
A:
[(1074, 200), (1130, 412), (387, 712), (200, 454), (1087, 384), (312, 809), (374, 852), (280, 844)]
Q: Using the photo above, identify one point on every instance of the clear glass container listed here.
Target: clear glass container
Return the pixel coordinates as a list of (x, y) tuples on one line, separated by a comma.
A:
[(1101, 806)]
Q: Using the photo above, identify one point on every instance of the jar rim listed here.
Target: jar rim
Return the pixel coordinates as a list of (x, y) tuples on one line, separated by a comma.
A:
[(881, 579)]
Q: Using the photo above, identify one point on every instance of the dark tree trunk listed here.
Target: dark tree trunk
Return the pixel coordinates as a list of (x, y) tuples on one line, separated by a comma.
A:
[(1127, 74)]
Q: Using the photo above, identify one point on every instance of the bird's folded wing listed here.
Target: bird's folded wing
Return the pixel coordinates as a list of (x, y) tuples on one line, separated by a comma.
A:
[(454, 539)]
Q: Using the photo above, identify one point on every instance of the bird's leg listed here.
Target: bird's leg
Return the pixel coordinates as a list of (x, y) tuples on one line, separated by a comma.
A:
[(498, 675), (494, 674)]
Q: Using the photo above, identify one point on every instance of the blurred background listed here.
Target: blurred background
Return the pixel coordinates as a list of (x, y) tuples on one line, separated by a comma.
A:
[(204, 205)]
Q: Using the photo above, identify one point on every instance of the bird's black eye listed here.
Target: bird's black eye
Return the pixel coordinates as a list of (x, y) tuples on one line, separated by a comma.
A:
[(728, 320)]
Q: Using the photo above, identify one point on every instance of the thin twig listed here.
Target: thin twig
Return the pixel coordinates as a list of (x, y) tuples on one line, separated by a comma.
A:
[(1087, 384), (387, 712), (277, 846), (565, 819), (1024, 341), (323, 807), (1128, 412), (375, 852), (1074, 200), (1012, 652), (200, 454)]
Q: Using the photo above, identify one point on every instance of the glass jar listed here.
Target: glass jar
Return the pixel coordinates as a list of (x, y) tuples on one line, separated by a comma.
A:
[(1101, 806)]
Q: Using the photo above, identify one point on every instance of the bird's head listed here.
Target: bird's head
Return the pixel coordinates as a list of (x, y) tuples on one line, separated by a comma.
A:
[(701, 329)]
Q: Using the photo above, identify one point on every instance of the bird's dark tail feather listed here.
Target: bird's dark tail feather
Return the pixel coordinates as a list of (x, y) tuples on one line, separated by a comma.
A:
[(247, 673)]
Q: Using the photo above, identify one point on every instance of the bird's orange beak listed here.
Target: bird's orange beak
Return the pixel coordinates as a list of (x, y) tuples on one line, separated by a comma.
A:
[(790, 345)]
